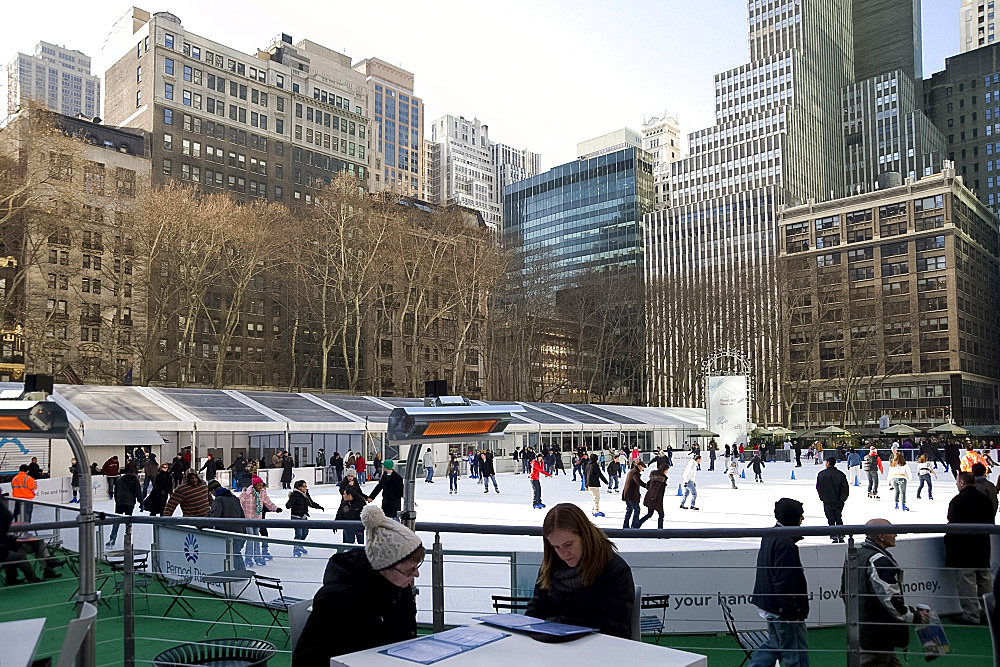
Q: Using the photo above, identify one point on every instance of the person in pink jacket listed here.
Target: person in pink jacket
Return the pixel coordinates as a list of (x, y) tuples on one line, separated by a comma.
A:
[(254, 499)]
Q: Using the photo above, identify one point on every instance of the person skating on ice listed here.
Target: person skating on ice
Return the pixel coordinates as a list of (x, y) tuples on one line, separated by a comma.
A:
[(537, 468), (690, 485), (733, 467), (872, 465), (593, 478), (757, 463)]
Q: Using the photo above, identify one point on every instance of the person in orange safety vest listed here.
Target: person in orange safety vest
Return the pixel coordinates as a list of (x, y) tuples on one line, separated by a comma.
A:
[(23, 486)]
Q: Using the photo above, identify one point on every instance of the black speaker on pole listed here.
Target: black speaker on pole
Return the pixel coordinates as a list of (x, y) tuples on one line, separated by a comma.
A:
[(435, 388)]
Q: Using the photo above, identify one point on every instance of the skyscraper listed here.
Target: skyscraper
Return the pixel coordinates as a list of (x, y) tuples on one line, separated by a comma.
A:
[(55, 77), (465, 173), (511, 165), (710, 257), (976, 24), (399, 119), (661, 139)]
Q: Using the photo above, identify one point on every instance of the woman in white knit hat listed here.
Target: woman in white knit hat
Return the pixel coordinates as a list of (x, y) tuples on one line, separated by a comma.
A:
[(370, 588)]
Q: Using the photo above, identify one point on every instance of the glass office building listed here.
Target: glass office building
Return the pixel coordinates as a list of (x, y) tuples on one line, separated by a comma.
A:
[(581, 217)]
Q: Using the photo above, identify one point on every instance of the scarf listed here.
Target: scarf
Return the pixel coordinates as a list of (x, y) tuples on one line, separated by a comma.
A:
[(566, 580), (258, 503)]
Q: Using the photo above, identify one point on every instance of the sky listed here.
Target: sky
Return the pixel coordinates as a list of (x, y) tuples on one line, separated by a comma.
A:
[(542, 75)]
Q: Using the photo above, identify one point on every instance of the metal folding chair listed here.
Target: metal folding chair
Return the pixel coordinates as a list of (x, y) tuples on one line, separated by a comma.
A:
[(275, 605)]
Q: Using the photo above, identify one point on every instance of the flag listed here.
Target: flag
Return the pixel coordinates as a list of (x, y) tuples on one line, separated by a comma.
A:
[(70, 375), (127, 380)]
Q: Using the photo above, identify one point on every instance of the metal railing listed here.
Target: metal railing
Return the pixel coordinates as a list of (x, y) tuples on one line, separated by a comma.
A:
[(456, 595)]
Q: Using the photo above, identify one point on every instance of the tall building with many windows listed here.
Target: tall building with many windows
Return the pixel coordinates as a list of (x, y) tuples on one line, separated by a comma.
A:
[(976, 24), (464, 171), (55, 77), (277, 124), (887, 307), (511, 165), (963, 101), (661, 139), (399, 121)]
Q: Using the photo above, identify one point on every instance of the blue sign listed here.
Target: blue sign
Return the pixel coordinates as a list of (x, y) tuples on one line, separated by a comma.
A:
[(191, 549)]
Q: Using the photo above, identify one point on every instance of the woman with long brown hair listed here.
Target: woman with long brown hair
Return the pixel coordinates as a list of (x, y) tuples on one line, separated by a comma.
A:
[(582, 580)]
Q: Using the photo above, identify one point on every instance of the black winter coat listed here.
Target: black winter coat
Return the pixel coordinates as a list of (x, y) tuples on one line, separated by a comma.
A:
[(486, 468), (970, 505), (594, 474), (163, 486), (951, 455), (606, 604), (226, 506), (74, 471), (780, 586), (880, 581), (128, 492), (299, 503), (832, 487), (354, 596), (286, 470), (350, 510), (391, 488)]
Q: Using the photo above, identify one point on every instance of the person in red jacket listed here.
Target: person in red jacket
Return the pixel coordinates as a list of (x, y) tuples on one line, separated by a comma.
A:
[(111, 473), (537, 467)]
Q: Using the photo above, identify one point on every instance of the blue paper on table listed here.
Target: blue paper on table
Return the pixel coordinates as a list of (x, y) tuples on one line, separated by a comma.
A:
[(432, 648), (529, 624)]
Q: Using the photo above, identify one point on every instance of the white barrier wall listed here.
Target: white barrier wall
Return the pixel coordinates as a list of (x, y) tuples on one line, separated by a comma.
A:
[(696, 579)]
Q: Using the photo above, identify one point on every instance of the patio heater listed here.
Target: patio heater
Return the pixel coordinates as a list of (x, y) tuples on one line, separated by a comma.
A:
[(446, 419), (29, 413)]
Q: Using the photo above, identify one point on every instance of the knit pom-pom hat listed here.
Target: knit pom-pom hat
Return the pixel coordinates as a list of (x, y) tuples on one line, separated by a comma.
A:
[(387, 542)]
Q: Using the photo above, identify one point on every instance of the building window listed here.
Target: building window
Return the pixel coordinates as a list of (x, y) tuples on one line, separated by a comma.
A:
[(168, 91), (168, 40), (168, 66), (168, 116)]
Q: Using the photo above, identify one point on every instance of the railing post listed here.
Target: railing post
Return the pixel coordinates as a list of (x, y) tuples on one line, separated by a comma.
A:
[(513, 574), (87, 657), (852, 605), (128, 594), (437, 583)]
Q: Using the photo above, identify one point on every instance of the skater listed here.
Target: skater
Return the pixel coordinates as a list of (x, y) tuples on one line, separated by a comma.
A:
[(924, 472), (899, 474), (111, 472), (873, 466), (733, 467), (526, 460), (614, 472), (971, 458), (742, 450), (798, 453), (286, 470), (655, 488), (239, 468), (712, 447), (453, 471), (473, 465), (428, 461), (593, 478), (227, 506), (581, 581), (951, 458), (74, 471), (576, 465), (487, 472), (254, 500), (163, 484), (781, 593), (128, 493), (725, 454), (756, 463), (833, 490), (690, 485), (192, 496), (353, 500), (299, 501), (361, 466), (559, 462), (537, 468), (337, 461), (631, 493), (390, 484)]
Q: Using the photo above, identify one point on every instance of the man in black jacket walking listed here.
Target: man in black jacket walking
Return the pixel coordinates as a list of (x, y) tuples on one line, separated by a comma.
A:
[(487, 471), (128, 492), (781, 595), (885, 619), (832, 487), (969, 554)]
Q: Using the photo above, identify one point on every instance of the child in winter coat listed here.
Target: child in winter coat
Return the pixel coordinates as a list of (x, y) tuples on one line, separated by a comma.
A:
[(733, 466), (352, 501), (299, 502), (756, 463), (924, 472), (254, 500)]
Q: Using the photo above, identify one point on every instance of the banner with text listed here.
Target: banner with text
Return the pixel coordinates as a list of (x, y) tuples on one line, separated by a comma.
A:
[(727, 408)]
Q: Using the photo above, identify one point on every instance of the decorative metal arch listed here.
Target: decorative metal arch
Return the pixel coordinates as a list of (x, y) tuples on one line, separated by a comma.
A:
[(709, 367)]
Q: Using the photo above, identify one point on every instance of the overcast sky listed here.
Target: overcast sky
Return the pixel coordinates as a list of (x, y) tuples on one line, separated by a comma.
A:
[(542, 75)]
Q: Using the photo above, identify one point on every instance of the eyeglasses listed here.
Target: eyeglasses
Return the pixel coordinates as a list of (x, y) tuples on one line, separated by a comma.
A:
[(411, 571)]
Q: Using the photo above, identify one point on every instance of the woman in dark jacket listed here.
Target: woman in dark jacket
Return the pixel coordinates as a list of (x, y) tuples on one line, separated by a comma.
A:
[(581, 581), (653, 501), (163, 486), (286, 472), (177, 471), (352, 501), (630, 494)]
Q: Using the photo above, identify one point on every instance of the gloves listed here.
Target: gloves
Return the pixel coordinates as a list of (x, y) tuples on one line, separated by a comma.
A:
[(279, 510)]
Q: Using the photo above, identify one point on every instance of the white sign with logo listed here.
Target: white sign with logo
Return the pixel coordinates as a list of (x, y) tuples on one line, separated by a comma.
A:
[(185, 552), (727, 408)]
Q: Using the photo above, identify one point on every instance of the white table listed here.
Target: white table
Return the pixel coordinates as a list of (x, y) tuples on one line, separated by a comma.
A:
[(521, 650), (20, 640)]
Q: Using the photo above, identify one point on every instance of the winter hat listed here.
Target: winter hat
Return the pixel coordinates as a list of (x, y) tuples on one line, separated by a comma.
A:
[(387, 542), (389, 465), (788, 511), (256, 480), (873, 450), (351, 472), (213, 485)]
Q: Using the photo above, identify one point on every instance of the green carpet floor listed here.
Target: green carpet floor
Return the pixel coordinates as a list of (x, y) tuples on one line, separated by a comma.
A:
[(971, 647)]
